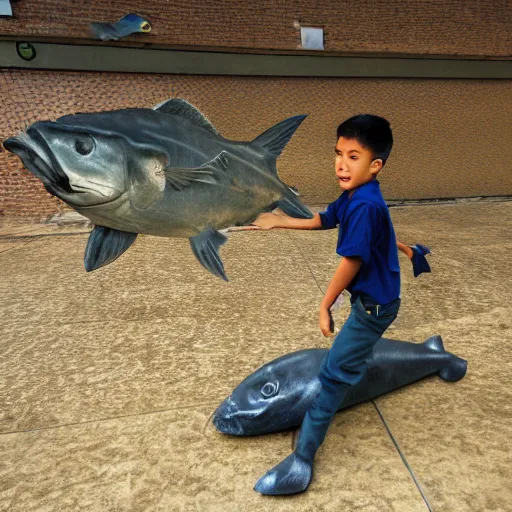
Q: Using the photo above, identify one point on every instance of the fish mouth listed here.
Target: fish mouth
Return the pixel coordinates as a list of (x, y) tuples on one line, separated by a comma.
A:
[(38, 159), (230, 426), (229, 419), (37, 156), (225, 418)]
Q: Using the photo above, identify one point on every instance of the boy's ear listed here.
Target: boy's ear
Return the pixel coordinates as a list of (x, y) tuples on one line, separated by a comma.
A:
[(375, 166)]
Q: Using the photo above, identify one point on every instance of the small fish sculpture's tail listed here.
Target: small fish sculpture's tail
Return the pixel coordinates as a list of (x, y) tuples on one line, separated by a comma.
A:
[(457, 367)]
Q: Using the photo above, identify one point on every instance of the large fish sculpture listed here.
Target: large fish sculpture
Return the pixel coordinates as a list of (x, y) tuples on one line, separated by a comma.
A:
[(276, 396), (164, 171)]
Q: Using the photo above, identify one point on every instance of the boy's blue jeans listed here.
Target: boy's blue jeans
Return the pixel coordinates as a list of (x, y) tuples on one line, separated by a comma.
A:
[(344, 366)]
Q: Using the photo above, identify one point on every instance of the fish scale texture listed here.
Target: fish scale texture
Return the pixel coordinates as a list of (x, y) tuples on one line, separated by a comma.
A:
[(435, 27), (434, 124)]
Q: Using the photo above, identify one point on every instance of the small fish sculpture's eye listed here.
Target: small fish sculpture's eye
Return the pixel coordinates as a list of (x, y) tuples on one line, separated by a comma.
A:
[(84, 144), (270, 389)]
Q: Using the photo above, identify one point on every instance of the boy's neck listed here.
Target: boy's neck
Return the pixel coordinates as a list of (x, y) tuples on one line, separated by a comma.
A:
[(351, 193)]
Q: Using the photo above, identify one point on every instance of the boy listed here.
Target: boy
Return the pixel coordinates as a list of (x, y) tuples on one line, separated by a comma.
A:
[(369, 270)]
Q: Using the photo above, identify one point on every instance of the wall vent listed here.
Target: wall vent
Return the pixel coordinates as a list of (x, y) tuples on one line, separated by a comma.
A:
[(312, 38)]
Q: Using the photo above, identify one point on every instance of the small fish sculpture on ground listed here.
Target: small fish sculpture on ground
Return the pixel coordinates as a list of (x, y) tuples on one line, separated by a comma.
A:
[(129, 24), (164, 171), (276, 396)]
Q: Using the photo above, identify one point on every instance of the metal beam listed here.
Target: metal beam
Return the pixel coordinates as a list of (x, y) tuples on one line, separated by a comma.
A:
[(137, 60)]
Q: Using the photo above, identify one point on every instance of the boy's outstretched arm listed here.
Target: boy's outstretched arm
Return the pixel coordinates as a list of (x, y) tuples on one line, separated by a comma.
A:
[(345, 273), (415, 253), (281, 220)]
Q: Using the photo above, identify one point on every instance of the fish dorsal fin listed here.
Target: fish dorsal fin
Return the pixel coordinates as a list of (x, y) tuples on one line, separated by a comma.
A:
[(435, 343), (106, 245), (183, 108), (275, 139)]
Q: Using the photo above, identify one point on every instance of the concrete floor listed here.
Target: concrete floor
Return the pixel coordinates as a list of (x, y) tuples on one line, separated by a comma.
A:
[(108, 380)]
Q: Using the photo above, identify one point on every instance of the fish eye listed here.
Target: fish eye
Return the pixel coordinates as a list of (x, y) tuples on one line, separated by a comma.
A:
[(270, 389), (84, 145)]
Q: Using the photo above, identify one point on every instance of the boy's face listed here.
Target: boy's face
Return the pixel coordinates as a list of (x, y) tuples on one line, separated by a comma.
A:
[(354, 164)]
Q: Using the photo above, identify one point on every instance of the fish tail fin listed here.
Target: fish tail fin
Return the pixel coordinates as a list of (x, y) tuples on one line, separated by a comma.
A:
[(456, 368), (275, 139), (293, 206)]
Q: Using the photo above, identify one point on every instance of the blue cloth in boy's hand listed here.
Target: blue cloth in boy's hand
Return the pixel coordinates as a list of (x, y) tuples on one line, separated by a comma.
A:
[(419, 262)]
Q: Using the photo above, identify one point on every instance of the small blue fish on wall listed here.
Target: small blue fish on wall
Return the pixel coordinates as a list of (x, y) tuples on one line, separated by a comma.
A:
[(129, 24)]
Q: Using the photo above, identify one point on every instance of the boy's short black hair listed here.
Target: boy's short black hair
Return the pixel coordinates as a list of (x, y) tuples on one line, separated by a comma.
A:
[(372, 132)]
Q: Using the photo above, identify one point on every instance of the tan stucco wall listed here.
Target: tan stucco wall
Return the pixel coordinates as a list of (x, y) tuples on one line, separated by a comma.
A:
[(448, 27), (452, 137)]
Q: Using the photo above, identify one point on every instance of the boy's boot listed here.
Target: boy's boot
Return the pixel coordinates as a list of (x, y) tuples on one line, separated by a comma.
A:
[(294, 474)]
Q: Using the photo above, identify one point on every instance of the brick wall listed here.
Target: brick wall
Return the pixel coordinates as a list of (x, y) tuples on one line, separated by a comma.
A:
[(449, 27), (450, 135)]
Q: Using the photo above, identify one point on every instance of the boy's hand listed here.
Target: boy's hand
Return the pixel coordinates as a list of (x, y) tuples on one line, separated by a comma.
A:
[(268, 220), (325, 322), (262, 221)]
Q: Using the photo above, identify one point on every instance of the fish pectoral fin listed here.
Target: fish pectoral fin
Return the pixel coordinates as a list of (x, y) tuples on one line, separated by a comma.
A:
[(106, 245), (205, 247), (210, 172)]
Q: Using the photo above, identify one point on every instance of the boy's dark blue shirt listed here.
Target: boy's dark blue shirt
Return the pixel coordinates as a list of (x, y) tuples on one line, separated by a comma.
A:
[(366, 230)]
